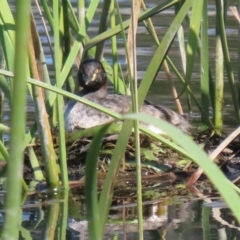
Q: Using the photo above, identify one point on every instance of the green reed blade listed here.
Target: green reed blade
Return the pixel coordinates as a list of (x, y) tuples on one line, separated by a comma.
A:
[(77, 43), (227, 61), (219, 78), (4, 152), (126, 49), (113, 31), (103, 27), (205, 116), (131, 48), (5, 88), (4, 128), (95, 226), (109, 182), (198, 156), (41, 63), (17, 122), (50, 222), (25, 233), (60, 103), (206, 211), (7, 34), (90, 132), (114, 48), (64, 215), (8, 20), (44, 131), (67, 42), (161, 51), (181, 44), (175, 70), (75, 48), (38, 175), (150, 28), (204, 64), (195, 23)]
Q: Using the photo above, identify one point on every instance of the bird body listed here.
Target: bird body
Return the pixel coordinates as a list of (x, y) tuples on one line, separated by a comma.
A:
[(80, 116)]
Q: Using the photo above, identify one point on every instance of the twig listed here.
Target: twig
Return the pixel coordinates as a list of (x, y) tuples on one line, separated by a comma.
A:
[(213, 155)]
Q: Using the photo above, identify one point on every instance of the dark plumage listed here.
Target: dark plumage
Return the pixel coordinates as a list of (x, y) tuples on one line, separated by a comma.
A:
[(92, 78)]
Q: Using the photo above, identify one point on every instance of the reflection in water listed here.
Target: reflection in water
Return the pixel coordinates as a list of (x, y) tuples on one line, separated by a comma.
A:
[(166, 219)]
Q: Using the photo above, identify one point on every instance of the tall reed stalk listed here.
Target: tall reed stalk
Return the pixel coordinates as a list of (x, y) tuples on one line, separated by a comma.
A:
[(205, 65), (17, 122), (135, 10), (60, 103), (47, 149), (219, 81)]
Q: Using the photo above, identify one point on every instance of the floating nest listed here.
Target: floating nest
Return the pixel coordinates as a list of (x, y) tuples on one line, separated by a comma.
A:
[(157, 159)]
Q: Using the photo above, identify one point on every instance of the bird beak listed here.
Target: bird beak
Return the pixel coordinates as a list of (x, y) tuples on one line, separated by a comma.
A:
[(88, 79)]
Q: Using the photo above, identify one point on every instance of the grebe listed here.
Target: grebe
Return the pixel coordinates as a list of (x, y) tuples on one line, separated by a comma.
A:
[(93, 79)]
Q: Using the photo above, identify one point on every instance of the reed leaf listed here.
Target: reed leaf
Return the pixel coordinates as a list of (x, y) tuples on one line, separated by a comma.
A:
[(204, 64), (102, 27), (113, 31), (60, 103), (114, 48), (206, 211), (44, 130), (13, 196), (5, 88), (4, 152), (219, 78), (77, 43), (64, 215), (198, 156), (67, 42), (189, 91), (195, 23), (132, 31), (7, 33), (50, 221), (109, 182), (161, 51), (4, 128), (95, 226), (150, 28), (122, 87), (47, 13), (90, 132), (227, 61), (38, 175)]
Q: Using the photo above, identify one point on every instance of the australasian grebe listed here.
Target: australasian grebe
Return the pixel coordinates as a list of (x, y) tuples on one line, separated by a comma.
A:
[(93, 79)]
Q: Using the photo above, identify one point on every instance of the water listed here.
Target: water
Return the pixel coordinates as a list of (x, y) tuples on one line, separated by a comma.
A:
[(171, 217)]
